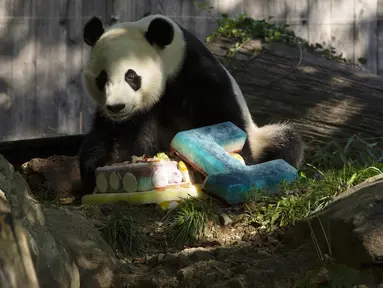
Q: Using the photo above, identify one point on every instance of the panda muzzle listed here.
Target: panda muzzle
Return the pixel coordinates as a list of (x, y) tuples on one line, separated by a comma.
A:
[(115, 108)]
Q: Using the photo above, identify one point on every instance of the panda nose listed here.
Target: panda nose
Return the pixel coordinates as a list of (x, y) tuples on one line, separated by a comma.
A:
[(115, 108)]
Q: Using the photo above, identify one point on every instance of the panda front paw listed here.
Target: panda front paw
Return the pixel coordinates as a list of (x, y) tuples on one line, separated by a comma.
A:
[(88, 183), (87, 173), (93, 154)]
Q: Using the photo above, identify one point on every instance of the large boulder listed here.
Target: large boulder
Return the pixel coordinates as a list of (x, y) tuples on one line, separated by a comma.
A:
[(67, 251), (352, 224)]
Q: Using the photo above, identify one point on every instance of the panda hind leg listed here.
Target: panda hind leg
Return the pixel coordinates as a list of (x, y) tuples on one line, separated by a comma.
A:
[(275, 141)]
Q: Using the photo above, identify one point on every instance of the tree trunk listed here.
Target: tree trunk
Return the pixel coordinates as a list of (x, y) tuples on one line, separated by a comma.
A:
[(323, 98)]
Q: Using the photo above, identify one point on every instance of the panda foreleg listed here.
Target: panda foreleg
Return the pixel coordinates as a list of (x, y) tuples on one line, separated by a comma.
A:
[(94, 153)]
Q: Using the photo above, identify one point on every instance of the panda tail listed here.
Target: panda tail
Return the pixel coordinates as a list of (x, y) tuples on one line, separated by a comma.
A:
[(275, 141)]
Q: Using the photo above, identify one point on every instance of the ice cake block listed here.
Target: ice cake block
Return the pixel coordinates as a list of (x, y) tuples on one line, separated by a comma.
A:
[(207, 148), (151, 181), (232, 185), (147, 197), (143, 176)]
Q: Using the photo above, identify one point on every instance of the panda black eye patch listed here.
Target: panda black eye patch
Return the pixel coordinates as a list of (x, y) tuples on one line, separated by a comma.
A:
[(101, 80), (133, 79)]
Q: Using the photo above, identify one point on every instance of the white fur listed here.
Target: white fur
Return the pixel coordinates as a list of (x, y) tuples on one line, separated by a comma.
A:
[(259, 138), (249, 123), (263, 137), (123, 47)]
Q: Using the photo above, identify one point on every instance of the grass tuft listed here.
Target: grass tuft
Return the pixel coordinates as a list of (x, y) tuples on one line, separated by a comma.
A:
[(190, 220), (340, 166), (243, 28), (355, 151), (122, 233)]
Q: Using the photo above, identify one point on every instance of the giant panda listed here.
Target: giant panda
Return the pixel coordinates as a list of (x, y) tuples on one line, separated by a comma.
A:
[(151, 79)]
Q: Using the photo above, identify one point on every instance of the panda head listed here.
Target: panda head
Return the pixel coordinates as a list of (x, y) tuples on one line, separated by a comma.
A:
[(130, 63)]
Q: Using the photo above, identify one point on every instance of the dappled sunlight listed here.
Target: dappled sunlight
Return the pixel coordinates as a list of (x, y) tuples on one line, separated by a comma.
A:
[(342, 28), (339, 82), (34, 82), (226, 6), (308, 69), (344, 109), (5, 101), (41, 95), (297, 13)]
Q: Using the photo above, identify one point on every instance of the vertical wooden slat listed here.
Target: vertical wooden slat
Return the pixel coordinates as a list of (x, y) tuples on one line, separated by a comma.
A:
[(6, 91), (197, 19), (22, 115), (380, 37), (142, 7), (159, 6), (365, 33), (71, 107), (255, 9), (67, 116), (297, 16), (342, 27), (277, 10), (320, 22), (48, 66), (185, 13), (126, 10), (90, 8), (170, 8), (231, 7), (42, 58)]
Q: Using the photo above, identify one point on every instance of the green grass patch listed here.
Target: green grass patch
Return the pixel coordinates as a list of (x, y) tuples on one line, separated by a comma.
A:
[(341, 165), (189, 221), (355, 150), (243, 28), (355, 160), (122, 233)]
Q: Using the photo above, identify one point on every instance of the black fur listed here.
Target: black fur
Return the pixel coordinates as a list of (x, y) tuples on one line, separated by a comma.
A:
[(200, 95), (110, 142), (101, 80), (93, 30), (160, 32), (146, 14)]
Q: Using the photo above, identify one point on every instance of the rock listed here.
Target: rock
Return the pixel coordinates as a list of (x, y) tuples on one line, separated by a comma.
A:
[(225, 219), (236, 282), (156, 259), (354, 224), (322, 277), (67, 251), (60, 174)]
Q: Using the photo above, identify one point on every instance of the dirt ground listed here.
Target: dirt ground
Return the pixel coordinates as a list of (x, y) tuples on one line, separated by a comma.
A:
[(234, 254)]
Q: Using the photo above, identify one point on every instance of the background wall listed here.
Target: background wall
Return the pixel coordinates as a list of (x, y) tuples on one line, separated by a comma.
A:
[(42, 51)]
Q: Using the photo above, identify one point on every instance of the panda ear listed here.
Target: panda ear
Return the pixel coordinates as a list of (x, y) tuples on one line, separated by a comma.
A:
[(93, 30), (146, 14), (160, 32)]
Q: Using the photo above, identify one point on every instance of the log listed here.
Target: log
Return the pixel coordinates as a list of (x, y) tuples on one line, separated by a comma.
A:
[(16, 265), (326, 100)]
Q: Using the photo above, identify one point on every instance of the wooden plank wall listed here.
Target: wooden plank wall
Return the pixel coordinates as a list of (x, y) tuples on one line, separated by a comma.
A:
[(42, 51)]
